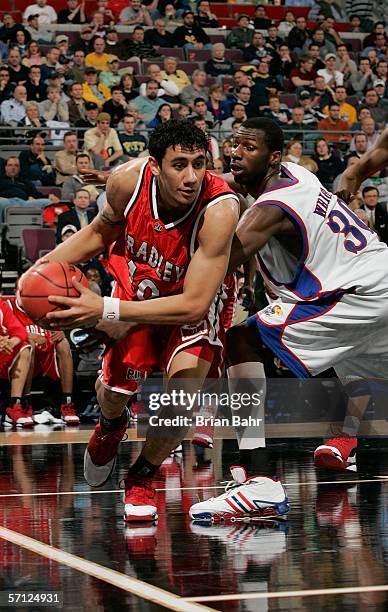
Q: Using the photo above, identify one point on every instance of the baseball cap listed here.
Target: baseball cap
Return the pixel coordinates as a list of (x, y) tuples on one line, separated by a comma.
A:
[(108, 30), (187, 13), (61, 38), (243, 15), (68, 228), (54, 75), (379, 82), (103, 117), (90, 106), (304, 94), (329, 56), (113, 58), (34, 16), (90, 70)]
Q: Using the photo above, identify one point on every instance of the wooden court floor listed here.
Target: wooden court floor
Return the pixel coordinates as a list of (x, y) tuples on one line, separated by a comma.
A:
[(58, 535)]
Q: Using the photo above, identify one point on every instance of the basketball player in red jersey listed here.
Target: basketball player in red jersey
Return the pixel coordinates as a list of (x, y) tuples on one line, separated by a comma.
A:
[(15, 358), (169, 224), (51, 358)]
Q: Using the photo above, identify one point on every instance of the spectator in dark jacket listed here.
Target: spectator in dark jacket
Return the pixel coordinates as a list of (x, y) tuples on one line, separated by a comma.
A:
[(190, 35), (376, 213), (34, 165), (330, 165), (299, 35), (159, 36), (218, 65)]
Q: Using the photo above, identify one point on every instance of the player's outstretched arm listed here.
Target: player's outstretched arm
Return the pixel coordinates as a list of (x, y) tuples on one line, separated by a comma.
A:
[(374, 160), (254, 229), (203, 278)]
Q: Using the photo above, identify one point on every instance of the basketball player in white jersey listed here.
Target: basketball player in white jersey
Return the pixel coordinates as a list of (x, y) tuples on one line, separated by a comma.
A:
[(330, 271)]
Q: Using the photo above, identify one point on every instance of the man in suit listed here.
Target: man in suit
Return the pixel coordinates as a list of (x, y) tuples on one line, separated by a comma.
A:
[(376, 212), (78, 216)]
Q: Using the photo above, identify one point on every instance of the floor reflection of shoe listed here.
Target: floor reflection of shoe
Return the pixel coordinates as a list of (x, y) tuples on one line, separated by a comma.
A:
[(46, 418), (245, 499), (69, 415), (337, 454), (333, 505), (101, 454), (204, 431), (140, 539), (19, 416), (139, 500)]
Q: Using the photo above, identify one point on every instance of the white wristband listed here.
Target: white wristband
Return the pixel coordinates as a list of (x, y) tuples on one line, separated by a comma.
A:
[(111, 309)]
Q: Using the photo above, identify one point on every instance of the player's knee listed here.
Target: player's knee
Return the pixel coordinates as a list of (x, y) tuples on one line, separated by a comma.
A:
[(111, 400), (63, 348)]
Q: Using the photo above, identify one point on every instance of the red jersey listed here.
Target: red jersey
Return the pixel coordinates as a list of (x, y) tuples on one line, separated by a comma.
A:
[(9, 324), (152, 258), (28, 324)]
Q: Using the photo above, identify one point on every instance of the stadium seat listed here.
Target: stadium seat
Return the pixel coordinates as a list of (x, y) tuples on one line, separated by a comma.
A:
[(177, 52), (289, 99), (37, 242), (18, 218)]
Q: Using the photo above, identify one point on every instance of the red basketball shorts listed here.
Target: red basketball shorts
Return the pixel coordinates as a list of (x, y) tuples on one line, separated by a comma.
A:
[(45, 363), (7, 361)]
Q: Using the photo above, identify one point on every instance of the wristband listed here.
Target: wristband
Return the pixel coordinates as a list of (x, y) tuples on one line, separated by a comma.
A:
[(111, 309)]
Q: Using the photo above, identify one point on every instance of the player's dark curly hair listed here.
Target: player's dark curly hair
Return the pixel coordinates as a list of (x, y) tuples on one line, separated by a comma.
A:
[(273, 134), (176, 132)]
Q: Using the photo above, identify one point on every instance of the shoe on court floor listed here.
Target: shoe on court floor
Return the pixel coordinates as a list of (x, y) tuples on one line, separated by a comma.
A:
[(101, 454), (19, 416), (337, 454), (139, 500), (69, 414), (46, 418), (244, 498)]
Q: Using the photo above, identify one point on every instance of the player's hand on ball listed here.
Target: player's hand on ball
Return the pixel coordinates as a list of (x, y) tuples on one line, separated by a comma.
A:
[(78, 311)]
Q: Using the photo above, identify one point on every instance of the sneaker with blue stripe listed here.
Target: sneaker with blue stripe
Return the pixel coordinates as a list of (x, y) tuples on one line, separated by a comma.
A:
[(244, 498)]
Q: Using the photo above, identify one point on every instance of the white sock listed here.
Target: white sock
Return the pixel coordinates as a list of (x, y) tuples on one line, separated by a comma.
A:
[(249, 436)]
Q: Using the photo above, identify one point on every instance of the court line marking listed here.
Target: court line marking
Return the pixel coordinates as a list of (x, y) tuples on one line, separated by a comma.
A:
[(126, 583), (283, 594), (99, 491)]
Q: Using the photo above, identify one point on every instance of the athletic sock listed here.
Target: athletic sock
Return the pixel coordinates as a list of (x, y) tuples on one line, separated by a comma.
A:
[(142, 468), (116, 423), (67, 398), (16, 400)]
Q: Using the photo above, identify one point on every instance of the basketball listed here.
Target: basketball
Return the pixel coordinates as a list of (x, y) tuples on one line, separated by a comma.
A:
[(51, 278)]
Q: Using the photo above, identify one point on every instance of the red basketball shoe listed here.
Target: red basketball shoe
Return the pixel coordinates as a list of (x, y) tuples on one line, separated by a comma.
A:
[(101, 454), (139, 500), (19, 416), (69, 414), (337, 454)]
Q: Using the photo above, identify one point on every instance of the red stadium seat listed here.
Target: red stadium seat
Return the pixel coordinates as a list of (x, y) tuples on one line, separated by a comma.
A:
[(38, 242), (220, 10)]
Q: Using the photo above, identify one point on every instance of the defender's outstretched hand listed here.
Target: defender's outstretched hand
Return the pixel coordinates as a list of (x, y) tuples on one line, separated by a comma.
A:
[(78, 311)]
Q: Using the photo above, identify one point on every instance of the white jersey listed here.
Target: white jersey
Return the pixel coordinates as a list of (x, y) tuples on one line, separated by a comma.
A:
[(339, 254)]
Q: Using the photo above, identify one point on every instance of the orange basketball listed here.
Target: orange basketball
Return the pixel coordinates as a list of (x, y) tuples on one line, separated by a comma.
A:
[(52, 278)]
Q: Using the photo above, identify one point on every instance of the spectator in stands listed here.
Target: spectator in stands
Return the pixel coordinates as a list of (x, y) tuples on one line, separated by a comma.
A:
[(98, 59), (218, 65), (287, 24), (355, 24), (135, 14), (98, 23), (16, 190), (47, 13), (197, 88), (322, 92), (159, 36), (134, 143), (22, 38), (17, 72), (35, 165), (303, 76), (329, 164), (333, 123), (149, 104), (273, 39), (344, 63), (281, 65), (33, 55), (265, 84), (376, 213), (332, 76), (62, 42), (5, 86), (331, 35), (183, 111), (238, 112), (318, 38), (261, 21), (201, 110), (85, 41), (368, 126), (71, 184), (257, 50), (172, 73), (360, 145), (52, 63), (312, 114), (294, 154), (363, 78), (347, 111), (90, 120), (103, 141), (39, 33), (116, 107), (74, 13), (190, 35), (243, 96), (136, 46), (280, 114), (78, 216), (218, 108), (378, 107), (113, 45), (381, 72), (299, 35), (53, 109), (78, 66), (313, 54), (76, 104), (13, 109), (127, 85), (109, 16), (171, 16), (163, 114), (240, 36), (213, 146), (8, 28), (93, 91), (363, 9), (65, 160), (296, 126), (32, 120), (380, 47), (204, 17), (370, 39), (111, 77)]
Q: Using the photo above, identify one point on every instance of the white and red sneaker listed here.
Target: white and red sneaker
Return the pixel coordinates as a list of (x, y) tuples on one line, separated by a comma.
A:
[(101, 454), (251, 498), (19, 415), (139, 500), (337, 454), (69, 414)]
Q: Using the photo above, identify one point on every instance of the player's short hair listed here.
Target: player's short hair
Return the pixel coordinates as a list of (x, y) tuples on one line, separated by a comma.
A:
[(173, 133), (273, 134)]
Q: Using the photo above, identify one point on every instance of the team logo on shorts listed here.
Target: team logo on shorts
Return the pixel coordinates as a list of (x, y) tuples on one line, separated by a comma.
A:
[(158, 227), (273, 310), (194, 329), (135, 374)]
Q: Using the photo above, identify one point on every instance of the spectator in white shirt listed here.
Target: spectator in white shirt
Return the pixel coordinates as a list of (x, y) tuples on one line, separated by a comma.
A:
[(46, 12), (332, 76), (14, 110)]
